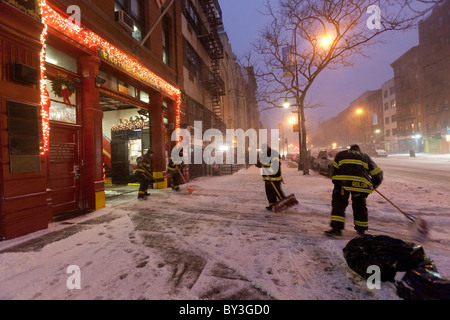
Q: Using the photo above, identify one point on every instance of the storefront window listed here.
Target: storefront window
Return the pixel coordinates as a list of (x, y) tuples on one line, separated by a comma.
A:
[(61, 59), (61, 110), (144, 97), (111, 82)]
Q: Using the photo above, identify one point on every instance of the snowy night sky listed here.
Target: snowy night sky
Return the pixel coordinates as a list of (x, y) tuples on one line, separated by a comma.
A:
[(335, 89)]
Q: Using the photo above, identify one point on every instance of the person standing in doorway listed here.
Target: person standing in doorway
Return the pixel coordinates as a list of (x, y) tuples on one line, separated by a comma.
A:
[(143, 176)]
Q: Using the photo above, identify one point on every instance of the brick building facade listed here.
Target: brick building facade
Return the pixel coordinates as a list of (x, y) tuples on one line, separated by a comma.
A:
[(77, 115), (80, 103)]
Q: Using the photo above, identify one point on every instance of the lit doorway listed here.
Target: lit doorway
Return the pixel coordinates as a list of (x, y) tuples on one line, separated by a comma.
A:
[(126, 136)]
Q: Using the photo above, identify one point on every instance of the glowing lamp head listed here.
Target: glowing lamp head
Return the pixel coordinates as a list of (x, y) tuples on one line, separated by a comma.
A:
[(326, 41), (292, 120)]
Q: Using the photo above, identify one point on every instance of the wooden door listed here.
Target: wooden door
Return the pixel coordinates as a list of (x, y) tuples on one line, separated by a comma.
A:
[(64, 168)]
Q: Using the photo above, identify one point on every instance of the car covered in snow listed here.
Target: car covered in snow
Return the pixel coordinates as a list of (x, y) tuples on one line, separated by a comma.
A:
[(325, 161), (378, 153), (381, 153), (313, 157)]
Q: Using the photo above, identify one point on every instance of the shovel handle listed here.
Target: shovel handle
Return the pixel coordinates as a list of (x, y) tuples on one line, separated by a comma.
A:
[(404, 213), (275, 188), (149, 173), (181, 175)]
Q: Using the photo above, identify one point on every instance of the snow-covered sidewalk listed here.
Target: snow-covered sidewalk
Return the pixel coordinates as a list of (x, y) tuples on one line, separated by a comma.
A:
[(218, 243)]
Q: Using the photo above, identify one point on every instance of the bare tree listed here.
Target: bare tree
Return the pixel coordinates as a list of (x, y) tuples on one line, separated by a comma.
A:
[(305, 37)]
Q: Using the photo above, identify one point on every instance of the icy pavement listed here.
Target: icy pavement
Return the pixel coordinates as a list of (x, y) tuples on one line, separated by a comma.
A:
[(218, 243)]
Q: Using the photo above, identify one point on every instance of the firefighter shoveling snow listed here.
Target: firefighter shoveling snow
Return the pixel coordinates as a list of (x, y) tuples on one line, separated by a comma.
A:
[(217, 243)]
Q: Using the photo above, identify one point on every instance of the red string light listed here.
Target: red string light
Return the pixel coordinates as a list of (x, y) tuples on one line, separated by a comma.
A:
[(92, 41), (45, 98)]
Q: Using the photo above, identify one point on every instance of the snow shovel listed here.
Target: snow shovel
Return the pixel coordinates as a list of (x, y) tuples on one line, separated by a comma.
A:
[(189, 187), (283, 203), (420, 228), (150, 174)]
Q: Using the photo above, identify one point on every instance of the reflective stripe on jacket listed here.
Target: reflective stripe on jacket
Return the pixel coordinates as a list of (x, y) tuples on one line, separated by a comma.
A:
[(271, 171), (356, 171), (173, 168)]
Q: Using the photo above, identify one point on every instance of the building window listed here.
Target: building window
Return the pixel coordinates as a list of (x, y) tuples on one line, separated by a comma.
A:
[(388, 133), (133, 8), (386, 106), (394, 118), (393, 103), (166, 40), (191, 62), (192, 16), (392, 90), (394, 132), (61, 59), (387, 120)]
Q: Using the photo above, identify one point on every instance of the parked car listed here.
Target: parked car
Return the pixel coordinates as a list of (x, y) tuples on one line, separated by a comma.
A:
[(295, 157), (325, 160), (313, 156)]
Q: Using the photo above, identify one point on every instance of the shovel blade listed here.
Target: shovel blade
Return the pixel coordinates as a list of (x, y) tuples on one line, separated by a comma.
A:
[(420, 230), (286, 203), (190, 189)]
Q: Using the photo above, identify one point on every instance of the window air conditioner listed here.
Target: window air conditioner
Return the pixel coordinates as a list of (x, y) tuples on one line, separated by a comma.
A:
[(125, 20)]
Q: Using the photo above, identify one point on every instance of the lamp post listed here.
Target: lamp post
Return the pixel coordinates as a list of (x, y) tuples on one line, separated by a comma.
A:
[(325, 41)]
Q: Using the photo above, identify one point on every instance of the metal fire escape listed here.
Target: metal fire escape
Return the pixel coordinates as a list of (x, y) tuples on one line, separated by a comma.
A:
[(212, 43)]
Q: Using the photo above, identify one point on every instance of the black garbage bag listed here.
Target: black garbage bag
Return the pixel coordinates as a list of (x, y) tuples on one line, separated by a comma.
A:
[(389, 254), (423, 284)]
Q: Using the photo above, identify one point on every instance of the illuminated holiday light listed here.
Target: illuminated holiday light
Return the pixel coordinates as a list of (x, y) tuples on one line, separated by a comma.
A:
[(92, 41), (178, 117), (45, 99)]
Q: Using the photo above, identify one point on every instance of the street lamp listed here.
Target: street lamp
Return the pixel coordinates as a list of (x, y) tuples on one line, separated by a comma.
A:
[(326, 41), (292, 120), (361, 129)]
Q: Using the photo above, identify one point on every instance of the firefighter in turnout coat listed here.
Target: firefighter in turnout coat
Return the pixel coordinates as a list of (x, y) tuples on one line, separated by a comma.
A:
[(143, 175), (272, 177), (355, 174), (175, 171)]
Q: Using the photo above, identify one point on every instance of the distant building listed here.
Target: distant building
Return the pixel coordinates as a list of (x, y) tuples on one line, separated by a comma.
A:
[(390, 117), (434, 39), (408, 88), (422, 81), (360, 123)]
